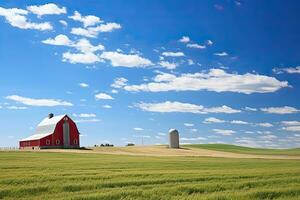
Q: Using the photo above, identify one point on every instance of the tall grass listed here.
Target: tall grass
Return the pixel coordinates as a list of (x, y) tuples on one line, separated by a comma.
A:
[(41, 175)]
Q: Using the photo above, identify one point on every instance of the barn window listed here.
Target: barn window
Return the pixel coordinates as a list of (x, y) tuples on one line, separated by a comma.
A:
[(75, 141), (57, 142), (47, 142)]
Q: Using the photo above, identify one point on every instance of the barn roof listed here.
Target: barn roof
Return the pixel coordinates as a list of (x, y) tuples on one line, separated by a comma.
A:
[(45, 127)]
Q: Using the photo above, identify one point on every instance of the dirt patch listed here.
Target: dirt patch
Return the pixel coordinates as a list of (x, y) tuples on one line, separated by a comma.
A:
[(164, 151)]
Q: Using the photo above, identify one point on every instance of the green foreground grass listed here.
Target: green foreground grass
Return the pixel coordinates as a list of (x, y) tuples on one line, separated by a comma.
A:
[(246, 150), (41, 175)]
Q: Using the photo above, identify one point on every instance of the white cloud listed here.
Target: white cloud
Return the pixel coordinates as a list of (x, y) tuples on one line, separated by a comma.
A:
[(87, 50), (167, 107), (221, 109), (291, 123), (216, 80), (224, 132), (60, 40), (63, 22), (192, 139), (16, 107), (88, 20), (268, 137), (290, 70), (280, 110), (87, 120), (85, 115), (125, 60), (184, 39), (190, 62), (266, 124), (250, 109), (173, 54), (209, 42), (161, 134), (292, 128), (83, 45), (168, 65), (84, 32), (213, 120), (238, 122), (83, 58), (94, 31), (47, 9), (103, 96), (114, 91), (107, 106), (221, 54), (16, 18), (188, 124), (196, 46), (119, 83), (38, 102), (171, 107), (138, 129), (83, 85)]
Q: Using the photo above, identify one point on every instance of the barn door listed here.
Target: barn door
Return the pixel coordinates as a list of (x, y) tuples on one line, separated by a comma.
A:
[(66, 133)]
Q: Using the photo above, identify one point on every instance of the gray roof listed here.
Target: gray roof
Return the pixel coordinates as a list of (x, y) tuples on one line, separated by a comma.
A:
[(45, 127)]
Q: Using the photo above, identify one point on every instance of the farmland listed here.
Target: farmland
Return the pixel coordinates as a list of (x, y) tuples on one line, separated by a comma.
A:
[(59, 175)]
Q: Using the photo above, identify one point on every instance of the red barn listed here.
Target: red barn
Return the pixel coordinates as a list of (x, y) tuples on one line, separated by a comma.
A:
[(53, 132)]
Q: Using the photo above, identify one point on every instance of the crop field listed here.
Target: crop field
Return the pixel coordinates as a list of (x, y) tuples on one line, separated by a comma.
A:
[(57, 175), (247, 150)]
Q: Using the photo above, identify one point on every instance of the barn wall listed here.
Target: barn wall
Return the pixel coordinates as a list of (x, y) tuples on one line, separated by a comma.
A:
[(74, 134), (43, 141), (31, 143), (58, 133)]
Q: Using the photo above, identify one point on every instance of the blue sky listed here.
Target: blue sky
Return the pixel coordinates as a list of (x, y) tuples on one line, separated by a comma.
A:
[(218, 71)]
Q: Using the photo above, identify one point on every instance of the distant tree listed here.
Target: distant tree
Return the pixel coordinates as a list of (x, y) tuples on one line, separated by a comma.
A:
[(130, 144), (102, 145)]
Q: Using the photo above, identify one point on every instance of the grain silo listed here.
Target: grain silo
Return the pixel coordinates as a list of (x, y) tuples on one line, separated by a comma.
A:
[(173, 138)]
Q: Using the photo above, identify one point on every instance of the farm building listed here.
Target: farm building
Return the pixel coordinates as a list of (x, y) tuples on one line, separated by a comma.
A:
[(53, 132)]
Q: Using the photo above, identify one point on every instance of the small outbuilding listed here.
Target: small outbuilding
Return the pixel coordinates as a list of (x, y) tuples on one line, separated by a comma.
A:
[(53, 132), (173, 138)]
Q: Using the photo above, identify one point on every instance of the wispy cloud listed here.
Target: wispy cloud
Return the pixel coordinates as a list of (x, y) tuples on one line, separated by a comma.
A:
[(88, 20), (224, 132), (47, 9), (221, 54), (168, 106), (290, 70), (173, 54), (17, 18), (184, 39), (280, 110), (38, 102), (93, 32), (104, 96), (125, 60), (216, 80)]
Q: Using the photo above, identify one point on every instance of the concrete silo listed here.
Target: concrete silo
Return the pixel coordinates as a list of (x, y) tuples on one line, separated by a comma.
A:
[(173, 138)]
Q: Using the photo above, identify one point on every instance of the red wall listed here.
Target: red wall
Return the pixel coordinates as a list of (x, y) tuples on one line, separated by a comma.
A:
[(57, 135)]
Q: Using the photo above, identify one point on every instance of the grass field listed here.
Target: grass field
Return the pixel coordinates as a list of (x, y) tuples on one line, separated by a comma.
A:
[(246, 150), (44, 175)]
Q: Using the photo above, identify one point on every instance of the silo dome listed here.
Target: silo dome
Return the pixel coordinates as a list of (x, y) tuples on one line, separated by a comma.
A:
[(173, 138)]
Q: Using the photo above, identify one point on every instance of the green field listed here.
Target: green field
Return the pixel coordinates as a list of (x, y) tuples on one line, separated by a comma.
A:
[(43, 175), (246, 150)]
